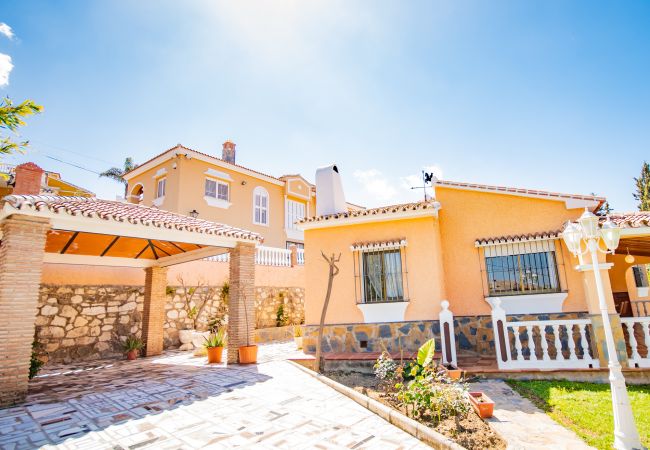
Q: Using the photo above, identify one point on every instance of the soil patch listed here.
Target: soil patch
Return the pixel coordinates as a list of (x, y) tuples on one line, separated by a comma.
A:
[(470, 431)]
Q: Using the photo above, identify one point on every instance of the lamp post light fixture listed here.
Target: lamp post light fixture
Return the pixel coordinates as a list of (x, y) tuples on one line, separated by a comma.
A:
[(587, 230)]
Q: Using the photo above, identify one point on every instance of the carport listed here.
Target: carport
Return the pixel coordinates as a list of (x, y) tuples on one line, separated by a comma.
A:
[(76, 230)]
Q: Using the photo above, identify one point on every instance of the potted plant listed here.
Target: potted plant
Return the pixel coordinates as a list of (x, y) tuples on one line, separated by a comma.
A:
[(214, 345), (453, 372), (297, 336), (482, 404), (247, 353), (132, 346)]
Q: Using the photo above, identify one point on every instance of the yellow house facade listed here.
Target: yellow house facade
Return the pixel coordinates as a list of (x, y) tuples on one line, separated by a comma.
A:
[(477, 258), (189, 182)]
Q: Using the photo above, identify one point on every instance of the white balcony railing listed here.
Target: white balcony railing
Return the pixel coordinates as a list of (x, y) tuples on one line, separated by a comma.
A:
[(542, 344), (641, 308), (267, 256), (637, 333)]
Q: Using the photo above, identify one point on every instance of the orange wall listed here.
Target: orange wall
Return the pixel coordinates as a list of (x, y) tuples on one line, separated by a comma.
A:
[(185, 189), (443, 262), (214, 273), (468, 215), (622, 277), (425, 276)]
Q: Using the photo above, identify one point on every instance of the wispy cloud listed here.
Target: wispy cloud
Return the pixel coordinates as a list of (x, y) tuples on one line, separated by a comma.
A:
[(6, 30), (5, 69), (376, 185)]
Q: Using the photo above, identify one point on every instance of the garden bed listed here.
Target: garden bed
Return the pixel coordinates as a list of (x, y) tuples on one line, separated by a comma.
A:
[(468, 430)]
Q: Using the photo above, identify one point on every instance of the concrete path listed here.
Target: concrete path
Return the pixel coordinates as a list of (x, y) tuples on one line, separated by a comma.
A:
[(524, 425), (177, 401)]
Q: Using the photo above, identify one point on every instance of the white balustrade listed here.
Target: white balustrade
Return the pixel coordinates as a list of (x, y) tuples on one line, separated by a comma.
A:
[(526, 354), (638, 339), (300, 253)]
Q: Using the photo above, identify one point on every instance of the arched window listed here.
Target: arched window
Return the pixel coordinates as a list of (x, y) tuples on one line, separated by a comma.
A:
[(260, 206), (137, 194)]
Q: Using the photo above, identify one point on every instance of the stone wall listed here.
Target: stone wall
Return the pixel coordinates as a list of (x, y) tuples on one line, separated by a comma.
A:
[(473, 334), (268, 300), (80, 323)]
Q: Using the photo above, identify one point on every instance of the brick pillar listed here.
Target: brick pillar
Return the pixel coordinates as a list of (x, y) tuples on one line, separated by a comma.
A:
[(153, 316), (28, 179), (21, 264), (242, 289), (294, 255)]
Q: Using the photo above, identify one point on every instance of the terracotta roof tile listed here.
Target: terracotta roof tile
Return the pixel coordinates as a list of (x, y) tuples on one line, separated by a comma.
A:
[(630, 220), (126, 212), (392, 209), (539, 236)]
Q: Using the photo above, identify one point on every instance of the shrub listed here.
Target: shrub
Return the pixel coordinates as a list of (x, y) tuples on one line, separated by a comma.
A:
[(281, 318), (35, 363), (385, 367), (217, 339), (433, 395)]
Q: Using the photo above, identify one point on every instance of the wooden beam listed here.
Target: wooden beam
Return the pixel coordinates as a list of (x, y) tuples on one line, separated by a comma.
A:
[(190, 256), (67, 245), (110, 245)]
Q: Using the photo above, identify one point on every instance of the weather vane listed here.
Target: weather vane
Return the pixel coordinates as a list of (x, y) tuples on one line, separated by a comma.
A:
[(427, 179)]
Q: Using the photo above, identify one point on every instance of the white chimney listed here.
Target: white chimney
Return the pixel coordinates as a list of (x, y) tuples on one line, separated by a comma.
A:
[(329, 191)]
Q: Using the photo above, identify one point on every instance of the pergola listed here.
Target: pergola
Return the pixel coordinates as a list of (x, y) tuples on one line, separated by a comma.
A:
[(77, 230)]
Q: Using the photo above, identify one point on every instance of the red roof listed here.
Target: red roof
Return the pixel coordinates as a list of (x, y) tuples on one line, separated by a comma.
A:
[(125, 212)]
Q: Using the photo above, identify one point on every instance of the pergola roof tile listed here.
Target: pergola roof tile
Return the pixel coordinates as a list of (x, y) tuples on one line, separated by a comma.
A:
[(126, 212), (631, 220)]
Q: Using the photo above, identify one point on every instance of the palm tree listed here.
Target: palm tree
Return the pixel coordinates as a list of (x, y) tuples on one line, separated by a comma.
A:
[(117, 174)]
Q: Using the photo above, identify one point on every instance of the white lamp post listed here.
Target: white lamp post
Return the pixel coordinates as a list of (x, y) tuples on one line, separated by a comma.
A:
[(586, 230)]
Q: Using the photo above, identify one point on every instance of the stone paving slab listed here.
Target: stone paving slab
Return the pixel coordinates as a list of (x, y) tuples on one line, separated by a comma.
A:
[(178, 401), (524, 425)]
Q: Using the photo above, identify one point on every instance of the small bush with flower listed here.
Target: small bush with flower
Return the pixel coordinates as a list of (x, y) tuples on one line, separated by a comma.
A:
[(421, 387)]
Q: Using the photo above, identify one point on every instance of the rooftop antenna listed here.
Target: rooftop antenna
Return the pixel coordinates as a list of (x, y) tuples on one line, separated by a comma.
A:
[(427, 179)]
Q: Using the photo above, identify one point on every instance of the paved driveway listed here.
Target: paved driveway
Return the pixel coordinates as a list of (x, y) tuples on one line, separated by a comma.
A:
[(177, 401)]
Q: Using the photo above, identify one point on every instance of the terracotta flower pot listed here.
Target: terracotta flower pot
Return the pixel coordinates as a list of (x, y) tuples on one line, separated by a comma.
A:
[(248, 354), (483, 405), (453, 372), (214, 354), (298, 341), (132, 355)]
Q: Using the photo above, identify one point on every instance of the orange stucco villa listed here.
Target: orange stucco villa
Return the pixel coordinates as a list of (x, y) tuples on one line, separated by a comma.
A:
[(473, 259)]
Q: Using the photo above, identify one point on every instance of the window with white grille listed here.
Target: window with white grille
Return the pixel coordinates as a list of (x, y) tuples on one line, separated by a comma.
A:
[(160, 187), (216, 189), (260, 206), (295, 212)]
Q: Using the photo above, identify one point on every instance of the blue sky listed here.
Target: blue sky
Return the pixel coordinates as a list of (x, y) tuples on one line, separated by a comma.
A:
[(549, 95)]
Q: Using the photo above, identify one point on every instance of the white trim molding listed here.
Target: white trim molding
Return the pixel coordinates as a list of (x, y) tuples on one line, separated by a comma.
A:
[(383, 312), (158, 201), (530, 303), (217, 202), (295, 235), (218, 174), (160, 173), (383, 217)]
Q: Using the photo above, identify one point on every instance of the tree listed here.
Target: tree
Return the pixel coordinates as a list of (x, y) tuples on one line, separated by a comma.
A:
[(642, 193), (605, 209), (334, 271), (11, 118), (117, 174)]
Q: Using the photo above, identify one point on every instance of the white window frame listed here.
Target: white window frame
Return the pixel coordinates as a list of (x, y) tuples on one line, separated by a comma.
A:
[(217, 185), (161, 181), (262, 193)]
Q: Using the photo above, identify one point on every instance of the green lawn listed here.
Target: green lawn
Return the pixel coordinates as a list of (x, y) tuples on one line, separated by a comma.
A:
[(586, 408)]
